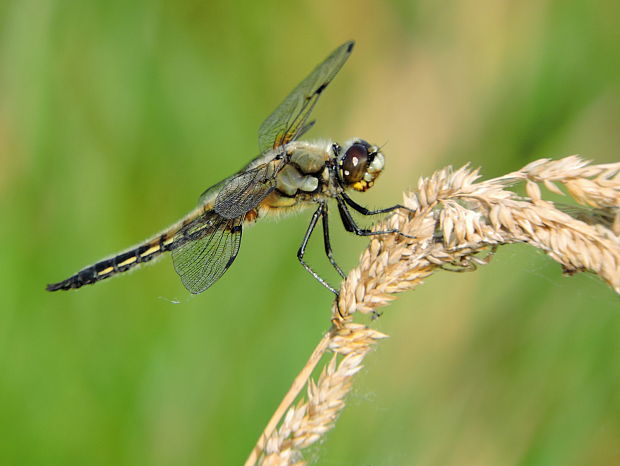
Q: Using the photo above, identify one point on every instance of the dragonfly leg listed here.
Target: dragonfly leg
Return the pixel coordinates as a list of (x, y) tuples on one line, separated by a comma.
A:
[(302, 249), (364, 211), (350, 224), (326, 242)]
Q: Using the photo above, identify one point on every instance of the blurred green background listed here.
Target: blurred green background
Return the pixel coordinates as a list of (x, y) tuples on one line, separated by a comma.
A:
[(114, 116)]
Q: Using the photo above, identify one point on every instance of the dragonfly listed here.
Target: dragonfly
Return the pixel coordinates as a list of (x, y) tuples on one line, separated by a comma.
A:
[(288, 176)]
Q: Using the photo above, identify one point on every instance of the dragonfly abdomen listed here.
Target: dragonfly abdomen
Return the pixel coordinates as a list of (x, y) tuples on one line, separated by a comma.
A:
[(126, 260), (108, 267)]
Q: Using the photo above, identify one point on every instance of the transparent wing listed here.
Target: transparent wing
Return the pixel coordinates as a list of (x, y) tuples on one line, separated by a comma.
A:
[(246, 190), (607, 217), (211, 192), (287, 121), (204, 249)]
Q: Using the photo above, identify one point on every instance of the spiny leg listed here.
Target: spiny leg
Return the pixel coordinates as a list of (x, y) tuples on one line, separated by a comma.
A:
[(364, 211), (351, 226), (326, 242), (302, 250)]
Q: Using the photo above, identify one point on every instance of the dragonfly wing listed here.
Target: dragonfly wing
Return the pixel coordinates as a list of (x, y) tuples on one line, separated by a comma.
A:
[(204, 249), (287, 121), (211, 192), (607, 217), (246, 190)]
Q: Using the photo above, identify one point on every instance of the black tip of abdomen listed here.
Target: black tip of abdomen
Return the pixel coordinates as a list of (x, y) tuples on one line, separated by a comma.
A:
[(84, 277), (57, 286), (63, 285)]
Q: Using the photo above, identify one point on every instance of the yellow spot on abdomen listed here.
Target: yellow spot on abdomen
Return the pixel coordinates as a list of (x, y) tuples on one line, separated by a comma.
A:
[(105, 271), (150, 251), (131, 260)]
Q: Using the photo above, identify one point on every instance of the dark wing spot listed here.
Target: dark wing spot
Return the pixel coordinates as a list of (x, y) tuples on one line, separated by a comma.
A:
[(350, 47), (321, 88)]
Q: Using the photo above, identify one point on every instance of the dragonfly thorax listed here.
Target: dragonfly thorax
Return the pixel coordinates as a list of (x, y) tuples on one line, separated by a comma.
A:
[(359, 164)]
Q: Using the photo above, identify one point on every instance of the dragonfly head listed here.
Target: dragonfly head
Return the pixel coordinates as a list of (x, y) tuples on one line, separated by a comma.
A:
[(359, 164)]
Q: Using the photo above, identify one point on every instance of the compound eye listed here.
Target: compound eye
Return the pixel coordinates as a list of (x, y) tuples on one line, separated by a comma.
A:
[(354, 163)]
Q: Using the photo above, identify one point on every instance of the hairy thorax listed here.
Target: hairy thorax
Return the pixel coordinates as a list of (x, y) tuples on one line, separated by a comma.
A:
[(302, 181)]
